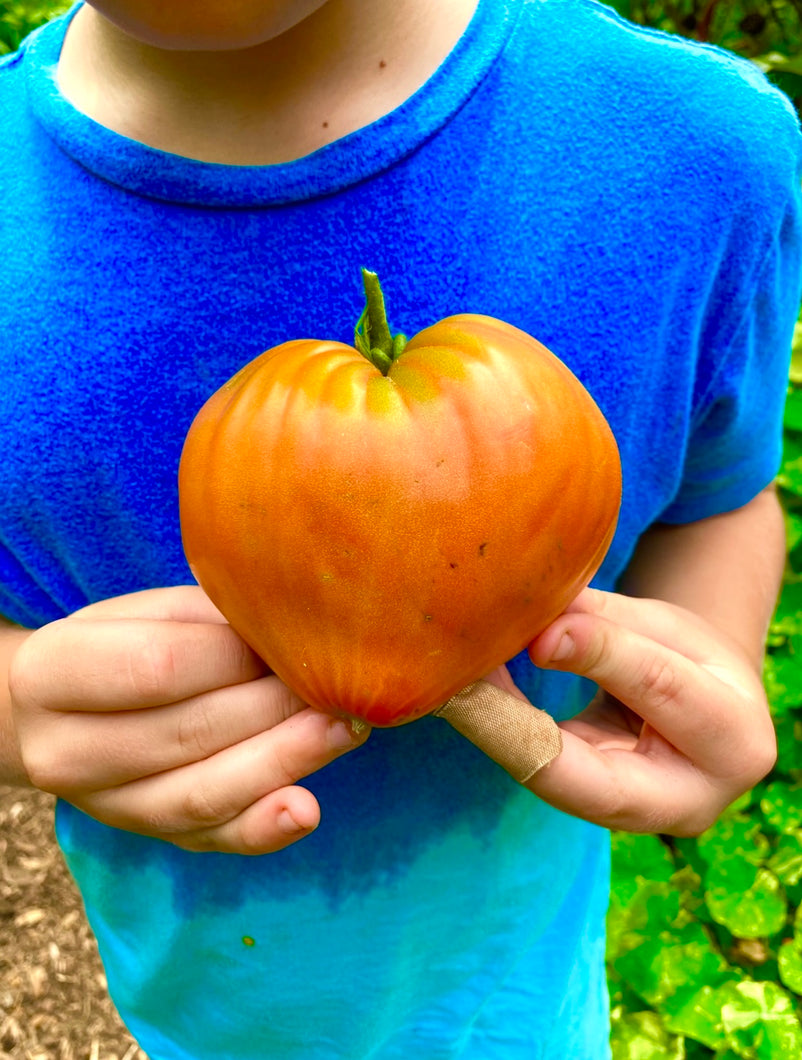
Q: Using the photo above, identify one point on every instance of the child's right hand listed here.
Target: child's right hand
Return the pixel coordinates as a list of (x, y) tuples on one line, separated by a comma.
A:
[(150, 714)]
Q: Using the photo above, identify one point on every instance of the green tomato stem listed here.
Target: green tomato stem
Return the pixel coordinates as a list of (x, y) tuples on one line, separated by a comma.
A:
[(372, 336)]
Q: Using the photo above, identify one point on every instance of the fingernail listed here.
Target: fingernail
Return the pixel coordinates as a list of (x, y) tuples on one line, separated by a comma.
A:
[(565, 647), (288, 824), (343, 733)]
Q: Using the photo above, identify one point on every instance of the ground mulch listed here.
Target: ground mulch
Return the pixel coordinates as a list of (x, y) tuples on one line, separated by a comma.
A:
[(53, 999)]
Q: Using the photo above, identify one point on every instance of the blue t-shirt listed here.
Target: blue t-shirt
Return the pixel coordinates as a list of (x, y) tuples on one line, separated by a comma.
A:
[(629, 199)]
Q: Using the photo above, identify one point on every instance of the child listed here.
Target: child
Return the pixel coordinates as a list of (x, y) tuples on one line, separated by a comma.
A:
[(185, 185)]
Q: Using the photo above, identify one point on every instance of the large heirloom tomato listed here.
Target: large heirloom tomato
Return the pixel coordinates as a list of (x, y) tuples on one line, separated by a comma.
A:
[(386, 524)]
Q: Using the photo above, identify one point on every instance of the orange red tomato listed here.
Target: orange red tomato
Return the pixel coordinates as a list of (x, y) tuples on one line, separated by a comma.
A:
[(383, 534)]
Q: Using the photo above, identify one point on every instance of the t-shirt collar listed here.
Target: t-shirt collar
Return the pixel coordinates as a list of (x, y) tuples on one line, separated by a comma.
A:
[(338, 165)]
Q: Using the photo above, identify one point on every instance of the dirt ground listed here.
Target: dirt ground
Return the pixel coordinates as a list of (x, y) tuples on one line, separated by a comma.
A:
[(53, 1000)]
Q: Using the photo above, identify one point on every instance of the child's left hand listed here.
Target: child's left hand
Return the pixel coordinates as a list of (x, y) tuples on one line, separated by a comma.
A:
[(680, 727)]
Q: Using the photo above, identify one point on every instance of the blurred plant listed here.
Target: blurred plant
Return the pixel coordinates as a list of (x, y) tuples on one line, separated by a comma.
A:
[(18, 18), (767, 31), (745, 26)]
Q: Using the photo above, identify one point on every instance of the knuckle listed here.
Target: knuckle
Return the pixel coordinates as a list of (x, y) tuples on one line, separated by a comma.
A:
[(196, 733), (757, 762), (756, 753), (659, 684), (200, 809)]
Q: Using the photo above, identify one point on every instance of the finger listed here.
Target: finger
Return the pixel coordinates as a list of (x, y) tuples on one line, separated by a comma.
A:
[(178, 603), (666, 623), (615, 790), (127, 664), (621, 790), (691, 707), (84, 752), (205, 796), (271, 823)]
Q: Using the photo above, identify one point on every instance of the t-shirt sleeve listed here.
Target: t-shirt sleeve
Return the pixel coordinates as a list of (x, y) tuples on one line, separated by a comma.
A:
[(735, 446)]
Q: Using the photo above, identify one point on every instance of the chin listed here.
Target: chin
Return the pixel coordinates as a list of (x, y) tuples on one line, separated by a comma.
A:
[(205, 25)]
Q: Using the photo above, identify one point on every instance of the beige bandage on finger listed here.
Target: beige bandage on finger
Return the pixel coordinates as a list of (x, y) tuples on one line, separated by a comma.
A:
[(521, 738)]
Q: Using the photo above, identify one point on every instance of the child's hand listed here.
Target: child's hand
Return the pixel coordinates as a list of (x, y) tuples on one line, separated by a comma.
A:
[(150, 714), (680, 727)]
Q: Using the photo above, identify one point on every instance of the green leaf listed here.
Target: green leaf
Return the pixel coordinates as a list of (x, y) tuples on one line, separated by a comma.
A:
[(795, 374), (654, 906), (623, 7), (748, 901), (782, 681), (17, 20), (789, 740), (666, 966), (781, 805), (699, 1017), (786, 861), (638, 857), (793, 409), (788, 612), (777, 61), (759, 1020), (789, 961), (787, 81), (734, 835), (743, 802), (790, 476), (641, 1036), (793, 530), (643, 899)]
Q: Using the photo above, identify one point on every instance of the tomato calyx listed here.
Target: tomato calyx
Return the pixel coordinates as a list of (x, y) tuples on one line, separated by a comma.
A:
[(372, 336)]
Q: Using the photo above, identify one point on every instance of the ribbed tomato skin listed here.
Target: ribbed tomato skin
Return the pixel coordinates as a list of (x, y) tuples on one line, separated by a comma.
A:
[(383, 541)]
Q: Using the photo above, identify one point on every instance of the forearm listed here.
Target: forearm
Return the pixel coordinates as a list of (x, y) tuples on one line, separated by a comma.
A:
[(726, 568), (11, 768)]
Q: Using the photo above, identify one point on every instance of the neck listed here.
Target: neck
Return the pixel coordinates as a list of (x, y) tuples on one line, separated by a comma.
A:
[(342, 67)]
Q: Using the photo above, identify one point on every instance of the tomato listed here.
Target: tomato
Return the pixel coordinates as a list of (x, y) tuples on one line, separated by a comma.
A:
[(383, 534)]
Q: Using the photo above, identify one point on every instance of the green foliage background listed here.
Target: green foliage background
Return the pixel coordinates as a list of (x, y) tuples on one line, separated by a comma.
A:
[(705, 935), (19, 17)]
